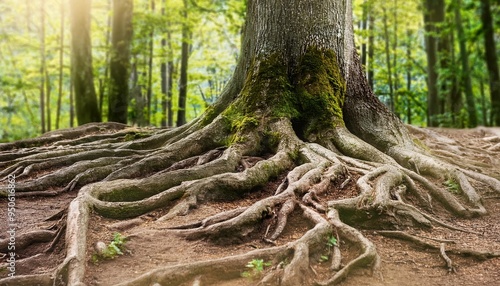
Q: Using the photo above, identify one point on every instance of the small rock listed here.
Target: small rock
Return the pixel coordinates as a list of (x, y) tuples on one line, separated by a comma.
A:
[(100, 247)]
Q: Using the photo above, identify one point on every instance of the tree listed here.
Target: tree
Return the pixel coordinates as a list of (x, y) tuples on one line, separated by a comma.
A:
[(434, 11), (491, 61), (464, 59), (43, 67), (81, 63), (299, 98), (120, 60), (183, 80)]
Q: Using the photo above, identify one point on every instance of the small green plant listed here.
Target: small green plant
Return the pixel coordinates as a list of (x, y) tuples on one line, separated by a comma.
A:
[(114, 248), (330, 243), (256, 266), (452, 186)]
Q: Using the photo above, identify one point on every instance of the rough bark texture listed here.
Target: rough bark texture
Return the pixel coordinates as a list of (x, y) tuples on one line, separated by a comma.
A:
[(491, 61), (81, 63), (121, 38), (298, 106), (433, 16)]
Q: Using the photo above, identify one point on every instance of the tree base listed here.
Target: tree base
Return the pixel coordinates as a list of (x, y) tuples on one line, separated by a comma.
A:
[(320, 195)]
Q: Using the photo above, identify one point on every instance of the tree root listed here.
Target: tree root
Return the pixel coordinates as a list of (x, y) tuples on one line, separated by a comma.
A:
[(481, 255), (190, 166)]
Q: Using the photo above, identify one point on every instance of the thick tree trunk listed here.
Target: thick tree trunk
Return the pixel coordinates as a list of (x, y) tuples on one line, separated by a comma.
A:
[(81, 63), (491, 61), (120, 60)]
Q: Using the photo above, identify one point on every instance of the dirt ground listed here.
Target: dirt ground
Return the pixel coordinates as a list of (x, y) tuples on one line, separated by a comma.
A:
[(150, 246)]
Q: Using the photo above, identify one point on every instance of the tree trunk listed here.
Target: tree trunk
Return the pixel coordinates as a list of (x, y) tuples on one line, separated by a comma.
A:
[(433, 17), (149, 89), (183, 81), (81, 63), (388, 61), (121, 38), (464, 59), (371, 45), (43, 66), (491, 61), (61, 65), (408, 75), (104, 83)]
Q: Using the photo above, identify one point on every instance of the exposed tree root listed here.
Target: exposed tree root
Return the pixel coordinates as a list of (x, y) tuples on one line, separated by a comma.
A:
[(482, 255), (182, 178)]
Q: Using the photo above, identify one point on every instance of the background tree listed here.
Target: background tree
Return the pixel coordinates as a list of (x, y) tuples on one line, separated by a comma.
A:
[(465, 75), (434, 19), (183, 80), (120, 60), (81, 63), (491, 61)]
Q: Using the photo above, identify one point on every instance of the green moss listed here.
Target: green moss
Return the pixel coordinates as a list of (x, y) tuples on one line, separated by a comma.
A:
[(312, 97), (320, 89), (208, 116), (134, 136)]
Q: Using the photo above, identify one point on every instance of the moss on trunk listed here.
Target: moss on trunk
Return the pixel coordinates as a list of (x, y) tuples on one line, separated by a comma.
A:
[(310, 94)]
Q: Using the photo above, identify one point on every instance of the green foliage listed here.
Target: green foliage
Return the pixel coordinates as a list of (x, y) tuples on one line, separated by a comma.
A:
[(113, 249), (330, 243), (256, 267), (452, 186)]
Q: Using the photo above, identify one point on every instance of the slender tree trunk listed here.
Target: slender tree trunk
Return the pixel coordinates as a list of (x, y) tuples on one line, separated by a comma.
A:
[(71, 104), (150, 69), (364, 24), (388, 61), (464, 59), (61, 66), (48, 90), (42, 66), (104, 83), (87, 109), (432, 10), (455, 94), (395, 59), (491, 61), (371, 45), (183, 81), (121, 38), (166, 89), (163, 69), (170, 81), (408, 74)]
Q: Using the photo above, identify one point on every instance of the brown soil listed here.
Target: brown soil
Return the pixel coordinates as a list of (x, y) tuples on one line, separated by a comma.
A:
[(150, 246)]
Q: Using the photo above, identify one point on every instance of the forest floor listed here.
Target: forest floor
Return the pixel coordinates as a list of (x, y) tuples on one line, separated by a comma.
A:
[(149, 246)]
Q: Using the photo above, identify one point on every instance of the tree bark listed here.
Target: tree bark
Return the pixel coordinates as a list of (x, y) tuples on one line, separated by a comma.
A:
[(388, 61), (121, 38), (183, 81), (61, 65), (491, 61), (433, 17), (464, 59), (371, 45), (149, 90), (42, 67), (81, 63)]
